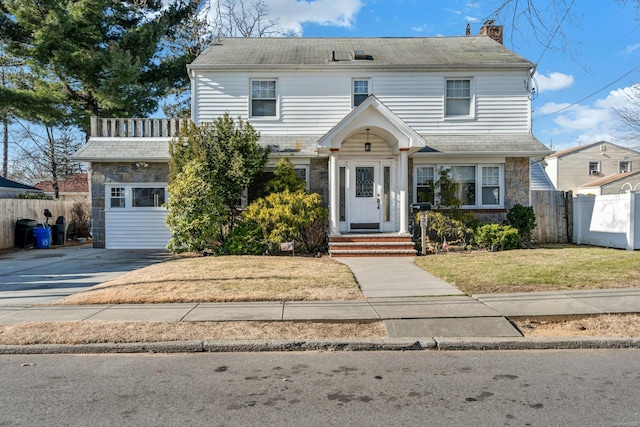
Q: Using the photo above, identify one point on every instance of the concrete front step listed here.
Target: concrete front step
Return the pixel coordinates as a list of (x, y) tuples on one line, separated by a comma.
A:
[(362, 245)]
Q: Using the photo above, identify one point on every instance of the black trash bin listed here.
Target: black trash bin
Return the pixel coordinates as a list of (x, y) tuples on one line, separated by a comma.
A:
[(24, 233), (57, 231)]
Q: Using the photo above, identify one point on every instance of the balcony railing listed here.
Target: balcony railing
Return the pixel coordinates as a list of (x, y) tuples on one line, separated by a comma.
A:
[(136, 128)]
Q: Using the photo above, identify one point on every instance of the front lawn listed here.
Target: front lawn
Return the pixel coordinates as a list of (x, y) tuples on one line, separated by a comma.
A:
[(549, 268)]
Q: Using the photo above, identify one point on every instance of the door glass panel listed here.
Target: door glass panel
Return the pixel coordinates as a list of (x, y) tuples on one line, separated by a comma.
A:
[(343, 196), (364, 181), (387, 194)]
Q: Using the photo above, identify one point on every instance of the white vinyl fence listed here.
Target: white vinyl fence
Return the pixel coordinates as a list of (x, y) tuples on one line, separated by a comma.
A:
[(611, 221)]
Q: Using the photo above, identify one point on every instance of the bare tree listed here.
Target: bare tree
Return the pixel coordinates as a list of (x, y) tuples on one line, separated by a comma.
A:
[(245, 18), (629, 116), (44, 153)]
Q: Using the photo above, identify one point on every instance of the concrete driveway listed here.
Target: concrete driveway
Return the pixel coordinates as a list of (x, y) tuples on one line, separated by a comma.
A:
[(40, 276)]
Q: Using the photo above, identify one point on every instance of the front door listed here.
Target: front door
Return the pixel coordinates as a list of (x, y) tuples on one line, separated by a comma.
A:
[(365, 197)]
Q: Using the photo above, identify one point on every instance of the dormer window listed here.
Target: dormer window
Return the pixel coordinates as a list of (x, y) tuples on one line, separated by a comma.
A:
[(361, 90)]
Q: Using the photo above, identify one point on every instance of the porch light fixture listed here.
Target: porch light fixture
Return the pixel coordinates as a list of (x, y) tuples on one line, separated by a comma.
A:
[(367, 145)]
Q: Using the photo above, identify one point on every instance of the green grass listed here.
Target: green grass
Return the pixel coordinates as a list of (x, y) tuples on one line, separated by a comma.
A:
[(552, 267)]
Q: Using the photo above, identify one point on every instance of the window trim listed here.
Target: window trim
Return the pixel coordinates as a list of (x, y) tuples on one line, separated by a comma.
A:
[(478, 182), (277, 99), (472, 98), (593, 171), (353, 90), (128, 196)]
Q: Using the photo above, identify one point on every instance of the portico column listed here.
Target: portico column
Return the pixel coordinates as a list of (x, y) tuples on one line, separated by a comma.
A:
[(404, 193), (334, 193)]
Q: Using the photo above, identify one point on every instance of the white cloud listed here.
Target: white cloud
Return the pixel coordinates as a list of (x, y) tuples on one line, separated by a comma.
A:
[(553, 82), (631, 48), (423, 28), (583, 123), (293, 13)]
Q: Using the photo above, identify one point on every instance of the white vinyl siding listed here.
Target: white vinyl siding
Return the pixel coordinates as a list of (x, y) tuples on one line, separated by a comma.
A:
[(312, 103)]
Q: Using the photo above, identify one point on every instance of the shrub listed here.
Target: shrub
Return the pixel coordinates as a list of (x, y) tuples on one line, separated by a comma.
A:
[(286, 216), (496, 236), (81, 219), (285, 178), (441, 226), (523, 218), (246, 238)]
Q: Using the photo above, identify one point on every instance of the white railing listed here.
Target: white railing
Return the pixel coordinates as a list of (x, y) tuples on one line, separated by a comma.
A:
[(140, 128)]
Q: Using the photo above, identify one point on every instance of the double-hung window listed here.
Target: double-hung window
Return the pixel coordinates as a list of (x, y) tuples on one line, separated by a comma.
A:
[(490, 185), (264, 98), (425, 177), (594, 168), (361, 90), (458, 97), (624, 167)]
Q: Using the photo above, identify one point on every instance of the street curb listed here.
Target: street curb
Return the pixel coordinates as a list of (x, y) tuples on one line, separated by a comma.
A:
[(407, 344), (537, 343)]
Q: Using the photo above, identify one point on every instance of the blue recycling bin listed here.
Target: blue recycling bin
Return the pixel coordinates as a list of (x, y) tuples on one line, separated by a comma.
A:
[(42, 236)]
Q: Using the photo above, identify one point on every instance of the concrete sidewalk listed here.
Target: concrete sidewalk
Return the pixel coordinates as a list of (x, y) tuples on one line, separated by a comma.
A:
[(411, 302)]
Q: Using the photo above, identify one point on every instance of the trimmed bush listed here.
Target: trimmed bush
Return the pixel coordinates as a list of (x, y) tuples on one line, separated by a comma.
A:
[(286, 216), (496, 236)]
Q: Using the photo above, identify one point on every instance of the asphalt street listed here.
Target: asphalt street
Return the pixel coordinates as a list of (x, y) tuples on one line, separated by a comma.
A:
[(425, 388)]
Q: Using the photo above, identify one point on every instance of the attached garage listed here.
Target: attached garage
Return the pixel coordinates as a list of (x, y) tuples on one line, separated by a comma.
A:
[(135, 216)]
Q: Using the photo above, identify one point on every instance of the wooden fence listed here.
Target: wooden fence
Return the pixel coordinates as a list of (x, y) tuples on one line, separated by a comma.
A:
[(553, 211), (13, 209)]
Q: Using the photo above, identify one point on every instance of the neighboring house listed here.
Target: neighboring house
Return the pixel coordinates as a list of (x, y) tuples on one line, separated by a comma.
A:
[(612, 184), (73, 188), (368, 122), (10, 189), (595, 168)]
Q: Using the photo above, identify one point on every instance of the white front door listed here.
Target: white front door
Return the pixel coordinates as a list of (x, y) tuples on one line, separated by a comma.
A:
[(365, 196)]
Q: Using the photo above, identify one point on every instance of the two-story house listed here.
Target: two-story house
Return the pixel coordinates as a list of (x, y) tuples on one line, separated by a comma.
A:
[(368, 122), (597, 168)]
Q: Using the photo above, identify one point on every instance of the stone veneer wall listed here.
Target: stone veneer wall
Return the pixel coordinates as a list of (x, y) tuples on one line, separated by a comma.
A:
[(319, 179), (107, 173)]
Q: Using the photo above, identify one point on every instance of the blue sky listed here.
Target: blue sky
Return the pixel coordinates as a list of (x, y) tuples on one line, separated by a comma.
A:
[(587, 80)]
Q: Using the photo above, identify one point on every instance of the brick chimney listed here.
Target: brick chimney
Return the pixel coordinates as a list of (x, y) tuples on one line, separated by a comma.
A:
[(493, 31)]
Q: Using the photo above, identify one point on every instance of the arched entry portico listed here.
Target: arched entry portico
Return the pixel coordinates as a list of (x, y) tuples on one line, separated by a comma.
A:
[(368, 170)]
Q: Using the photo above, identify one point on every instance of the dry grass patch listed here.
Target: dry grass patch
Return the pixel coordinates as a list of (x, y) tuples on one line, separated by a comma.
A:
[(557, 267), (227, 279), (94, 332), (606, 325)]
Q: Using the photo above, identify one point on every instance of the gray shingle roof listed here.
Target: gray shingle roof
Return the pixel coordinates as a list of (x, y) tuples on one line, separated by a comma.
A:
[(157, 149), (408, 53)]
